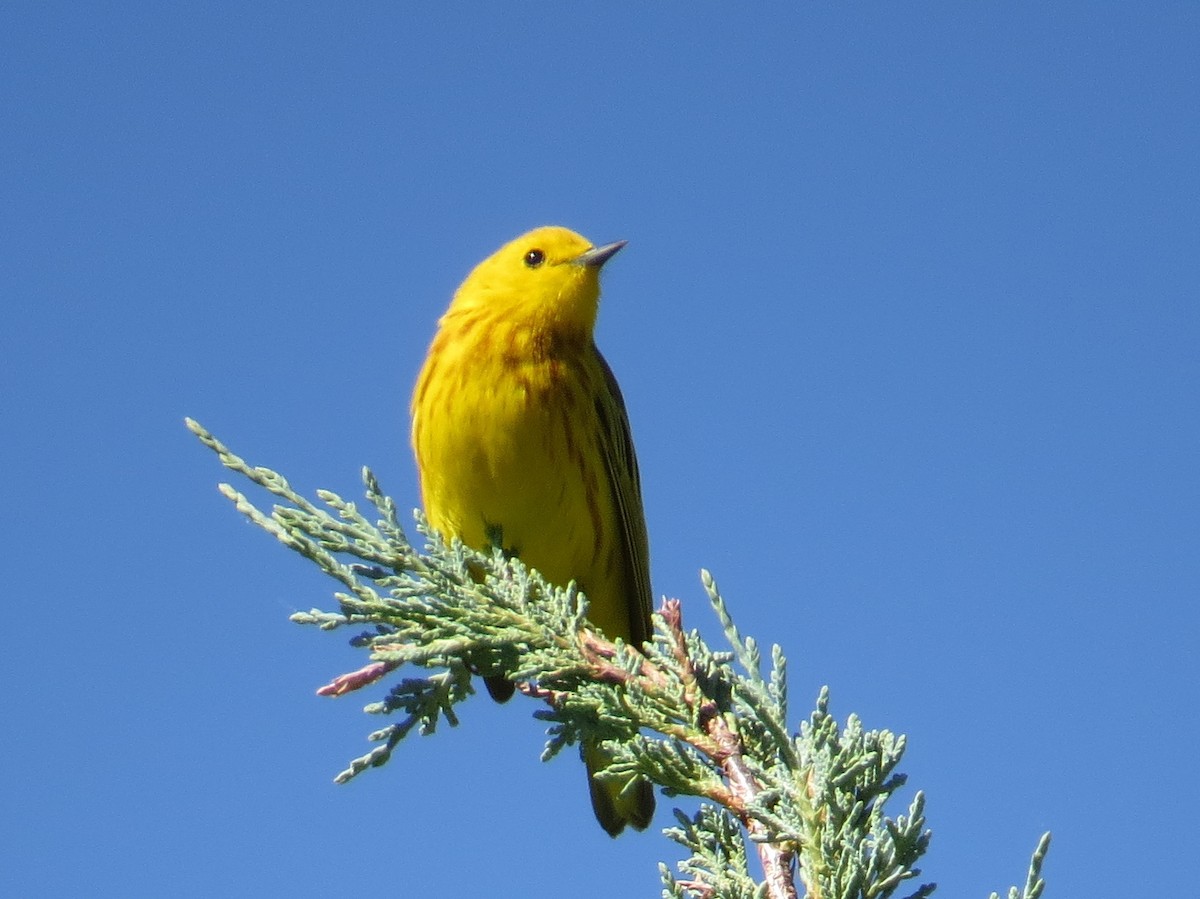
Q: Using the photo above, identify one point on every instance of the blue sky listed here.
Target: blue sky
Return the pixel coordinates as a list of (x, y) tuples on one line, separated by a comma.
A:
[(907, 327)]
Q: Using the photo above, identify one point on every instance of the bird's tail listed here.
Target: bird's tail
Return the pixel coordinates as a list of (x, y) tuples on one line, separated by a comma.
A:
[(499, 688), (617, 803)]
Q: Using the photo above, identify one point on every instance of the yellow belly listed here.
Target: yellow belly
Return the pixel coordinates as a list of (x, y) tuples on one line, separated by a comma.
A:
[(519, 464)]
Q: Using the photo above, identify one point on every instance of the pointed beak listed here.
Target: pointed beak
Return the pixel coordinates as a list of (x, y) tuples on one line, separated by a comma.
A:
[(597, 256)]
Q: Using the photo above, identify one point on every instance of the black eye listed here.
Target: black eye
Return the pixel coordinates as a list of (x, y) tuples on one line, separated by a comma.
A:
[(534, 258)]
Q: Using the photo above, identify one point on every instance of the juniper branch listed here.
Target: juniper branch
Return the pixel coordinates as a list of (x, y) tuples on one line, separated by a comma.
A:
[(810, 803)]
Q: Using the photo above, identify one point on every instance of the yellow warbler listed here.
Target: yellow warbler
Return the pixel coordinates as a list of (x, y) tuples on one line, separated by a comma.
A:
[(522, 442)]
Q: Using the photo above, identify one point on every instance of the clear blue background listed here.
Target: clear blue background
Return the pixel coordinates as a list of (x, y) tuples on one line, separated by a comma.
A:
[(907, 327)]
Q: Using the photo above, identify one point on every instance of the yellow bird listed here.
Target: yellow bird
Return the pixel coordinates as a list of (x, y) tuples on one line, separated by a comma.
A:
[(522, 442)]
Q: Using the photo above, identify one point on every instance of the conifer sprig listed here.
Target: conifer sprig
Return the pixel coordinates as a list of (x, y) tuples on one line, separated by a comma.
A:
[(696, 721)]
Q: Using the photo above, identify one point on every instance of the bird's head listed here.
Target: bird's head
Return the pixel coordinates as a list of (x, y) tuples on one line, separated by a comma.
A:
[(548, 279)]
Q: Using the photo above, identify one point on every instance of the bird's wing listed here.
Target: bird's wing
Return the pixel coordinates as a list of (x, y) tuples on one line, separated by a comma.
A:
[(621, 464)]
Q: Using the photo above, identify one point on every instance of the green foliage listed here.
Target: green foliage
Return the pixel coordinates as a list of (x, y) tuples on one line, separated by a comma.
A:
[(695, 721), (1034, 885)]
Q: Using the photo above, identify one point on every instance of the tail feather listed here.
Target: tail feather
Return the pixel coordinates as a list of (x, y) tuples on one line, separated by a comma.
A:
[(617, 804), (499, 688)]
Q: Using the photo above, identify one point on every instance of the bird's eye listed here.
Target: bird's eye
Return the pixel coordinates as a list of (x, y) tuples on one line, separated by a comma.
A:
[(534, 258)]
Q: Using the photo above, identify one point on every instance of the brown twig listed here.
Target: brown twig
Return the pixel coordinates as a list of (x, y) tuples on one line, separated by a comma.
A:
[(777, 861), (723, 746)]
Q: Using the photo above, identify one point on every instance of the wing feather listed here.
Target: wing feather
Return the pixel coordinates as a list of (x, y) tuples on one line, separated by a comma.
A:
[(621, 464)]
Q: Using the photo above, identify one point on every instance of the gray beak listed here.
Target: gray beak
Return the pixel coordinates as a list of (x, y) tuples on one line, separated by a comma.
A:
[(597, 256)]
